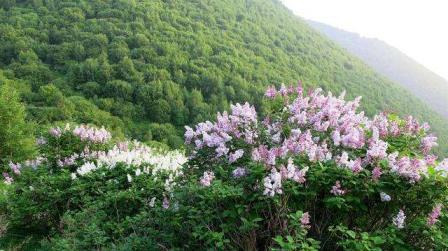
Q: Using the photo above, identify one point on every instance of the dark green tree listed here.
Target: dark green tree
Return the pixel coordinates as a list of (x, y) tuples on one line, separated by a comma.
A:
[(16, 134)]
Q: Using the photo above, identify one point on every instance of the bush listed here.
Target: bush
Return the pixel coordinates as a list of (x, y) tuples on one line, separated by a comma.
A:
[(312, 174), (84, 191)]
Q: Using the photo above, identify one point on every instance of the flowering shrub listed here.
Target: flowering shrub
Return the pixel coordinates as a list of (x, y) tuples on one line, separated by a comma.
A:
[(314, 173), (80, 169), (353, 180)]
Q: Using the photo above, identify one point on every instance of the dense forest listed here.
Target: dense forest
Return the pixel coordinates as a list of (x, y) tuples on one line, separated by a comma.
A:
[(393, 64), (146, 68)]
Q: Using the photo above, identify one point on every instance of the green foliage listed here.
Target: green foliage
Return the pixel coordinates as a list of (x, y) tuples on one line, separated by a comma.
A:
[(16, 134)]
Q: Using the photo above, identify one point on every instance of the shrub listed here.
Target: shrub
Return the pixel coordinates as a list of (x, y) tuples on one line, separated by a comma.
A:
[(314, 173), (84, 191)]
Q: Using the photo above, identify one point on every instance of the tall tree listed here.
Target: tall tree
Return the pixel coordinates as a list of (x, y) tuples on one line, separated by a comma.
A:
[(16, 134)]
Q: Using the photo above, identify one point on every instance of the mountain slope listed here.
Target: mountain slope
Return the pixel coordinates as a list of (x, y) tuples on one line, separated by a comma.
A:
[(393, 64), (152, 66)]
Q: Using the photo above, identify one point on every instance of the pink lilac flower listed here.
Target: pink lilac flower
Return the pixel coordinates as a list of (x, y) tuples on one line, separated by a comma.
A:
[(15, 167), (425, 126), (354, 138), (382, 124), (412, 126), (69, 161), (399, 219), (376, 173), (273, 183), (165, 203), (337, 122), (337, 190), (434, 215), (92, 134), (377, 149), (406, 167), (239, 172), (221, 150), (385, 197), (244, 113), (336, 136), (8, 179), (207, 178), (430, 159), (236, 155), (293, 172), (189, 134), (394, 128), (283, 90), (428, 143), (355, 165), (299, 88), (305, 220), (55, 132), (271, 92)]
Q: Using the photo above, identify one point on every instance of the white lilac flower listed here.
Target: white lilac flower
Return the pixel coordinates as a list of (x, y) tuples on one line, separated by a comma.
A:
[(86, 168), (399, 219), (273, 183), (385, 197), (152, 202)]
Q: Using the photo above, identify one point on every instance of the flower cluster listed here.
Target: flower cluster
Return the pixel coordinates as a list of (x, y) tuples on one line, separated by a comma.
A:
[(92, 134), (302, 132), (141, 158), (320, 127), (207, 178), (305, 220), (337, 189), (434, 215), (69, 161), (399, 219), (83, 132), (273, 183), (385, 197)]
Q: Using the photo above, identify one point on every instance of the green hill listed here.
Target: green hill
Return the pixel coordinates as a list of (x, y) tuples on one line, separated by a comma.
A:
[(148, 67)]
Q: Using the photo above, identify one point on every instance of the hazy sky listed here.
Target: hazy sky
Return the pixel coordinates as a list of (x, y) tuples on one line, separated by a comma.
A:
[(419, 28)]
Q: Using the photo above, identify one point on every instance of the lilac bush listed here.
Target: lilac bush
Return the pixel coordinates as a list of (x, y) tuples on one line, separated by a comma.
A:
[(312, 172), (83, 167), (318, 154)]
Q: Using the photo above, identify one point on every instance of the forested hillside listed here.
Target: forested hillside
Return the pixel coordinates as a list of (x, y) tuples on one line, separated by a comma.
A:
[(393, 64), (146, 68)]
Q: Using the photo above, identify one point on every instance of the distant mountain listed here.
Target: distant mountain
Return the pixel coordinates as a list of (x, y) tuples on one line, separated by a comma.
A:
[(393, 64)]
